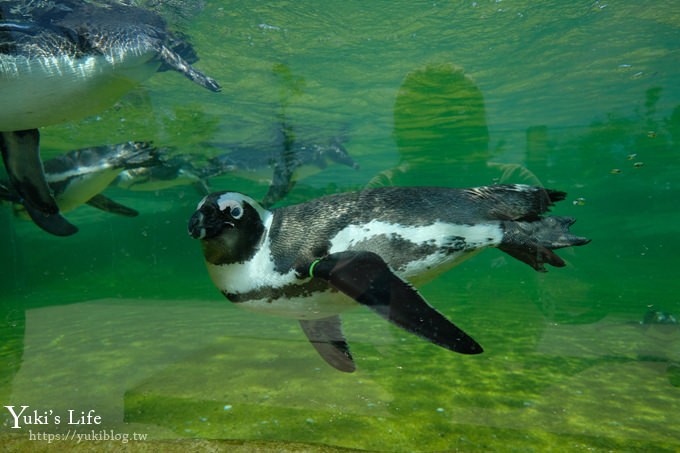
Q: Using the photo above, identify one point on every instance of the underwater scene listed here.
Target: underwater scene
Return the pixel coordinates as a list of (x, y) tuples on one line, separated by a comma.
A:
[(118, 118)]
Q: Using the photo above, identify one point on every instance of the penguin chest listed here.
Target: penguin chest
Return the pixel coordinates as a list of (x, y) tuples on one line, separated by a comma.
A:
[(419, 252), (257, 286)]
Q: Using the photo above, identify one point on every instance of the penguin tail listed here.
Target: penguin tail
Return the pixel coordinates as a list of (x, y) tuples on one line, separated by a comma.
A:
[(533, 242)]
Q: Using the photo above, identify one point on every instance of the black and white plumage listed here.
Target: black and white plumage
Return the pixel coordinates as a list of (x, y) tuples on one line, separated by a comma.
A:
[(80, 176), (64, 60), (312, 261)]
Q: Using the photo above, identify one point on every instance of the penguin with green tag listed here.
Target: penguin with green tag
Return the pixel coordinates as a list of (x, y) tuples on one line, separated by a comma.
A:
[(314, 260)]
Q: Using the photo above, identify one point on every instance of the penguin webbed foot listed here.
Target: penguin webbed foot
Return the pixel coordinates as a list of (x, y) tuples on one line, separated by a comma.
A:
[(174, 61), (533, 242), (366, 278)]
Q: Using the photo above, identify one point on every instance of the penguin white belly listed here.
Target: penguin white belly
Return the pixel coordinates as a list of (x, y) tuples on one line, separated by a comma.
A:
[(38, 92), (82, 187), (419, 252)]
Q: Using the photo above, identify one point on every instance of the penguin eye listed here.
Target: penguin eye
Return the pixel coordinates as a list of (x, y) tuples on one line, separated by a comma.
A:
[(230, 206), (236, 212)]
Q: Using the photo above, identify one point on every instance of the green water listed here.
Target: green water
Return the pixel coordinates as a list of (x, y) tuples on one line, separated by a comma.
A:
[(579, 96)]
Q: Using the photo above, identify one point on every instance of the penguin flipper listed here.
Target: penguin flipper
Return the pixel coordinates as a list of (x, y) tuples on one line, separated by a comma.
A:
[(54, 224), (104, 203), (366, 278), (327, 338), (21, 153), (202, 187)]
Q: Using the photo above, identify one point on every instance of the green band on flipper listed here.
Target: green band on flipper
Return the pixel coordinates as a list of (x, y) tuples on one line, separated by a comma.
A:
[(311, 267)]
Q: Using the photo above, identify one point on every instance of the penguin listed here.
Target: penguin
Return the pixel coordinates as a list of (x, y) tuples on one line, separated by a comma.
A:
[(314, 260), (79, 177), (281, 169), (282, 165), (65, 60)]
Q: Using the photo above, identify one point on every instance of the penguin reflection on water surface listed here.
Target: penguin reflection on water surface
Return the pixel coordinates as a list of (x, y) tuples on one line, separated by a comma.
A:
[(314, 260), (64, 60)]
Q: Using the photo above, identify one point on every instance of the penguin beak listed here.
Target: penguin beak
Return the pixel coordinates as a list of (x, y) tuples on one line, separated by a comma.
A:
[(202, 226), (196, 228)]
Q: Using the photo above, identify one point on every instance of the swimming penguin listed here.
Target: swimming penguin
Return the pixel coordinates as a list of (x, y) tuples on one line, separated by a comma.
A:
[(68, 59), (79, 176), (282, 166), (312, 261), (250, 162)]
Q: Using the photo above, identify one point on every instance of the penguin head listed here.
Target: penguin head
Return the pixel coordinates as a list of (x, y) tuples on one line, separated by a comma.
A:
[(230, 226)]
